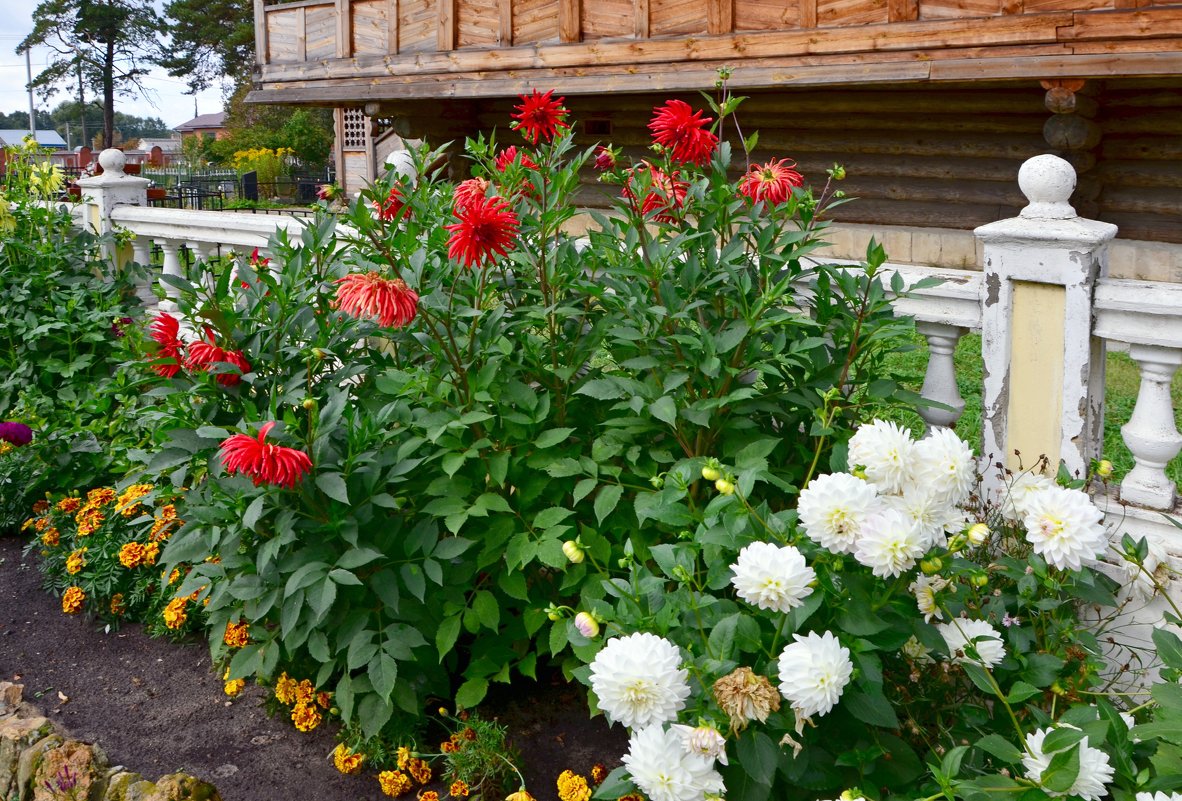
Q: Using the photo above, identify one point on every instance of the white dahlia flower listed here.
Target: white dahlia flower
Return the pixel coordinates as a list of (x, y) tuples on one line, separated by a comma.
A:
[(931, 514), (1159, 796), (925, 589), (772, 577), (1159, 567), (884, 451), (944, 466), (637, 680), (1019, 492), (703, 741), (963, 634), (664, 771), (915, 650), (833, 507), (890, 544), (1064, 526), (813, 672), (1094, 770)]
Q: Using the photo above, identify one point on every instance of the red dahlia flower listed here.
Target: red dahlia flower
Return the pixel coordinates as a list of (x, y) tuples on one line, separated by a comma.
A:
[(486, 226), (165, 332), (257, 260), (370, 295), (540, 116), (393, 207), (263, 462), (683, 132), (468, 191), (605, 158), (772, 182), (509, 155), (204, 354), (665, 195)]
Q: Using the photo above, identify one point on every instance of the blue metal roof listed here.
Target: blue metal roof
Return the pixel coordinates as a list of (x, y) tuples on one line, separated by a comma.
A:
[(12, 137)]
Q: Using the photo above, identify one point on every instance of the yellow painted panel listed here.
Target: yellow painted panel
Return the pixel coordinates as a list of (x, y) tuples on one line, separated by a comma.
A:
[(1036, 374)]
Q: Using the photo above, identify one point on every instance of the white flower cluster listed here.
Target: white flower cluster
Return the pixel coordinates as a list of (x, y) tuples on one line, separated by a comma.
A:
[(1063, 525), (907, 503), (1094, 769)]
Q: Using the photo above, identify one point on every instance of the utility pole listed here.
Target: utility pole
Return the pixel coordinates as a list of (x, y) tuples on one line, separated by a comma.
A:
[(32, 109)]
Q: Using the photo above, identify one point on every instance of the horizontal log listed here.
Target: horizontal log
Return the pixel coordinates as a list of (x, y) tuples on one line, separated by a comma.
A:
[(1142, 98), (1155, 228), (1157, 23), (1139, 200), (928, 215), (1141, 148), (960, 192), (1166, 174), (1160, 121)]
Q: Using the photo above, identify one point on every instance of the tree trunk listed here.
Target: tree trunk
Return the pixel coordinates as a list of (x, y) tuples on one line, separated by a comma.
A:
[(109, 96)]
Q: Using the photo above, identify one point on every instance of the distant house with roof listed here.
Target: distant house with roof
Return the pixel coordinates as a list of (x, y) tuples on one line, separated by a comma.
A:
[(13, 137), (213, 125)]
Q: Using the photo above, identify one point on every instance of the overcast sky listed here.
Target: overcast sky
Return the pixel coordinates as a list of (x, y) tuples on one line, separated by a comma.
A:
[(166, 98)]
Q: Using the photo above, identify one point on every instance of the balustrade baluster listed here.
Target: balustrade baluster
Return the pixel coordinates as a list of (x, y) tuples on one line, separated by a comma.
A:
[(1151, 434), (939, 383)]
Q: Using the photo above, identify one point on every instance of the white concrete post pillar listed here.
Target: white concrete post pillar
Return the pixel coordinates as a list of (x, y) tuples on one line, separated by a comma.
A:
[(113, 188), (1044, 371)]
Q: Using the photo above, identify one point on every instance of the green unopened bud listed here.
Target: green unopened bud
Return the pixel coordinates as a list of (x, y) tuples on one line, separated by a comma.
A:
[(308, 403), (979, 580), (1104, 469), (553, 613), (724, 487), (957, 543), (931, 566), (572, 551), (978, 535), (711, 473), (587, 625), (837, 172), (658, 482)]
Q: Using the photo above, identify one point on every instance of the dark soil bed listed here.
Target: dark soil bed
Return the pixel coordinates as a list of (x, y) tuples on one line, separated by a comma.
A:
[(156, 707)]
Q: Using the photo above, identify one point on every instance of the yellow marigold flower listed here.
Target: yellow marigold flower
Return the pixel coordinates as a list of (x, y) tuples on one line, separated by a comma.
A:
[(131, 555), (458, 789), (7, 226), (324, 700), (72, 600), (76, 561), (51, 538), (428, 795), (520, 795), (395, 783), (128, 503), (420, 770), (174, 614), (572, 787), (233, 687), (598, 773), (100, 496), (174, 575), (237, 635), (118, 607), (305, 717), (448, 747), (404, 756), (41, 524), (151, 553), (40, 507), (68, 505), (468, 733), (632, 797), (88, 519), (285, 689), (347, 761), (305, 693), (28, 524)]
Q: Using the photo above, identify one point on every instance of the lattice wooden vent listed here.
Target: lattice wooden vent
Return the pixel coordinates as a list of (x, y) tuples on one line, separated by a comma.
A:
[(355, 126), (599, 127)]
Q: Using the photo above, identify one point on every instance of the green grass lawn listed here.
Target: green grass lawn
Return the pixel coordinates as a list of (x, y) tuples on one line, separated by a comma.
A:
[(1121, 383)]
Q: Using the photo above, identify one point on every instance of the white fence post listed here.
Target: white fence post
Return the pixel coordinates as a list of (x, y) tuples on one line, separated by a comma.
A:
[(103, 193), (1044, 370)]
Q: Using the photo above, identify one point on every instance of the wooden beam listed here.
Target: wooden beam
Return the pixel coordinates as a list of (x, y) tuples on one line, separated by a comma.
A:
[(808, 13), (344, 29), (392, 26), (505, 30), (720, 16), (445, 38), (902, 10), (301, 16), (640, 9), (570, 23), (1157, 23), (260, 33)]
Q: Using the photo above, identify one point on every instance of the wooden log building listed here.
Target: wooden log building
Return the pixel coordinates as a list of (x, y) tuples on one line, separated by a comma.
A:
[(931, 105)]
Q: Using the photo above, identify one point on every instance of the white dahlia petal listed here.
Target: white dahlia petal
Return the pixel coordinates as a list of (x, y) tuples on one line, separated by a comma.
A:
[(1064, 526), (661, 767), (944, 466), (772, 577), (638, 681), (1095, 772), (833, 507), (890, 544), (884, 451), (1019, 492), (703, 741), (1159, 567), (1159, 796), (963, 634), (813, 672), (930, 513), (925, 589)]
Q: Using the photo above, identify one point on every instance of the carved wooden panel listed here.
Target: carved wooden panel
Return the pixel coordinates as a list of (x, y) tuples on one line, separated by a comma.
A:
[(668, 17), (416, 25), (602, 18), (369, 27), (284, 30), (535, 21), (478, 23), (846, 13), (766, 15)]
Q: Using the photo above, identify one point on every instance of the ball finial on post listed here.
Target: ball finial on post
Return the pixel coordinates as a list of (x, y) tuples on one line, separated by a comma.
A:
[(112, 161), (1047, 181)]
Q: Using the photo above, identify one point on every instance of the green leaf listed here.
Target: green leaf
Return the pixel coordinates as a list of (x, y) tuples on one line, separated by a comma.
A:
[(664, 409), (979, 677), (253, 512), (487, 609), (344, 577), (374, 712), (1061, 774), (606, 501), (551, 516), (344, 697), (333, 486), (1021, 691), (492, 502), (998, 746), (871, 708), (1169, 696), (321, 596), (356, 557), (446, 635), (616, 785), (1169, 647), (758, 756), (471, 693), (601, 389), (415, 581), (551, 437), (1061, 739), (450, 548), (383, 672)]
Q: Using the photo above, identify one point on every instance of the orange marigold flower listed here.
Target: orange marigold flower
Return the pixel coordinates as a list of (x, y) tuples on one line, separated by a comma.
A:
[(664, 195), (448, 747), (420, 770), (237, 635), (40, 507), (487, 227), (131, 555), (205, 354), (598, 773), (305, 717), (41, 524), (117, 606), (468, 733), (370, 295), (72, 600), (151, 553), (263, 462), (324, 700), (632, 797), (540, 116), (51, 538), (233, 687), (346, 760), (393, 207), (165, 519), (165, 332), (572, 787), (428, 795), (305, 693), (76, 561), (520, 795), (174, 614), (68, 505), (127, 504), (395, 783), (458, 789), (174, 575), (285, 689), (100, 496), (404, 757), (771, 183), (683, 132)]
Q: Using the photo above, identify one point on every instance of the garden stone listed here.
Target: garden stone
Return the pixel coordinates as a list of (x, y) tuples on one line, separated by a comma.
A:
[(118, 784), (87, 764), (30, 760), (10, 696), (174, 787), (16, 735)]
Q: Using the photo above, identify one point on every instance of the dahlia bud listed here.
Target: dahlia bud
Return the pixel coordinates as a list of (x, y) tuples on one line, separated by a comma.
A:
[(553, 613), (711, 471), (979, 580), (309, 404), (979, 534), (1104, 469), (931, 566), (587, 625), (724, 487), (572, 551)]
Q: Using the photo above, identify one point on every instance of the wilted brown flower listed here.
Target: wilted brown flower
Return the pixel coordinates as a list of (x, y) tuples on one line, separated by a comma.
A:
[(746, 696)]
